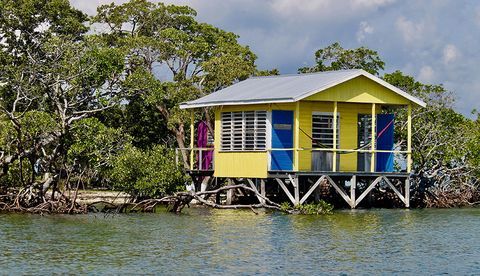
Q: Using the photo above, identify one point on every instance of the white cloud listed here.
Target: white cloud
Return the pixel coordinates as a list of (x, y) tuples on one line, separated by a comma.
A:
[(426, 74), (410, 31), (450, 53), (363, 30), (324, 9)]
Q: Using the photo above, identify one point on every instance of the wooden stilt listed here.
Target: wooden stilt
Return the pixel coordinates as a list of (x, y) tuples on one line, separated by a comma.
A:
[(252, 185), (353, 187), (339, 189), (296, 188), (407, 192), (373, 139), (262, 190), (367, 191), (284, 188), (230, 193), (402, 198), (313, 188)]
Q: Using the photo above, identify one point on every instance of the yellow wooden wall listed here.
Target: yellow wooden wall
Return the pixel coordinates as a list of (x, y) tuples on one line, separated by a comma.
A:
[(360, 90), (354, 97), (242, 163), (348, 121)]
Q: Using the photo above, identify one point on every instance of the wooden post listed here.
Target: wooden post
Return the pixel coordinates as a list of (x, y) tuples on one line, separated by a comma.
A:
[(230, 193), (353, 186), (409, 139), (192, 137), (334, 136), (374, 126), (407, 192), (296, 189), (262, 190), (297, 135)]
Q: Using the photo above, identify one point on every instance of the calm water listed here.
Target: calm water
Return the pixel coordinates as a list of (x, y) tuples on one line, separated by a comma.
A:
[(239, 242)]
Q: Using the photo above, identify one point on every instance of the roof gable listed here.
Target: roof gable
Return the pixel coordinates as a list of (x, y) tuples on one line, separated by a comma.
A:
[(359, 90), (286, 88)]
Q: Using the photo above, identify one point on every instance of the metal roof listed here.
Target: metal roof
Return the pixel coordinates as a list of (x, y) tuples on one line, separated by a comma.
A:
[(286, 88)]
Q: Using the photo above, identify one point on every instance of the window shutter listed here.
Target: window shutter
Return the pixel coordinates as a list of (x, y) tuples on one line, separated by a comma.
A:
[(244, 130)]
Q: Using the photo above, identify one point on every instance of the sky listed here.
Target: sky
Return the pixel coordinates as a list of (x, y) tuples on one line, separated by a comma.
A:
[(436, 41)]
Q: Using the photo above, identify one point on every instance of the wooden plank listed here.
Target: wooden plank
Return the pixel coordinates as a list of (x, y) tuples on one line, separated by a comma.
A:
[(365, 193), (394, 189), (372, 142), (353, 187), (296, 189), (297, 136), (230, 193), (252, 185), (262, 190), (407, 192), (192, 137), (339, 189), (284, 188), (335, 107), (312, 189), (409, 139)]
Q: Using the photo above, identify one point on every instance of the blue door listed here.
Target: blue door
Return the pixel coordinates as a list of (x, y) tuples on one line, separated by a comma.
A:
[(282, 138), (385, 142)]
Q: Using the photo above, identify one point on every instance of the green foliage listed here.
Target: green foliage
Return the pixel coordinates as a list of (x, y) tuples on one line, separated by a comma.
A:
[(335, 57), (320, 208), (148, 173), (199, 57), (94, 145), (273, 72)]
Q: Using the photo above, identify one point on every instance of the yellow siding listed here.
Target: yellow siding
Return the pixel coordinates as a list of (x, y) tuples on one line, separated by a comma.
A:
[(354, 97), (348, 131), (243, 164), (359, 90)]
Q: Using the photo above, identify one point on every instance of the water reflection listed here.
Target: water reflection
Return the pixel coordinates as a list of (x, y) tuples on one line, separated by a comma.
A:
[(240, 242)]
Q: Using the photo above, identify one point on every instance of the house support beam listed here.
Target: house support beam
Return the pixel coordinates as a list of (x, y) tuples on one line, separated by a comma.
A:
[(296, 189), (262, 191), (254, 187), (284, 188), (409, 139), (297, 136), (407, 193), (192, 137), (372, 142), (335, 122), (312, 189), (353, 187)]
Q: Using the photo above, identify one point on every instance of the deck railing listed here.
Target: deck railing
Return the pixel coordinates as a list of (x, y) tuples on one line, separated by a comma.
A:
[(198, 158)]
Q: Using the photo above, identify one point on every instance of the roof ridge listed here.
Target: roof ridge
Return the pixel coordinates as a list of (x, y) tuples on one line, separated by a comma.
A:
[(306, 74)]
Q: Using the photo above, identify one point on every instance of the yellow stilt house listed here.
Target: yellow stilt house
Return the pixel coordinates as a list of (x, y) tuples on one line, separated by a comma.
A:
[(324, 124)]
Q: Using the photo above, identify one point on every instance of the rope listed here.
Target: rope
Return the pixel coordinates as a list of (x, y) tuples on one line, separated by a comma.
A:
[(358, 148)]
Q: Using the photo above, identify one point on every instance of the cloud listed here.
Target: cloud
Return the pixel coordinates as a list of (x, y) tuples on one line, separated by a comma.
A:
[(325, 9), (413, 36), (450, 53), (426, 74), (363, 30), (410, 31)]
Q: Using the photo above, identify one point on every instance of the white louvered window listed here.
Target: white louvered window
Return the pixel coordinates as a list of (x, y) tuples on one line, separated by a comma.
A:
[(244, 130), (322, 130)]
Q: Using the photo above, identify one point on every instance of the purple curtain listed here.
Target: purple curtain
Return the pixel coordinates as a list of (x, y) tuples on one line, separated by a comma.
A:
[(202, 142)]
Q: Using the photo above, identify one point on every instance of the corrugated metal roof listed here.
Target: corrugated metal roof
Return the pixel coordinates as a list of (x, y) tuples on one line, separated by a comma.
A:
[(285, 88)]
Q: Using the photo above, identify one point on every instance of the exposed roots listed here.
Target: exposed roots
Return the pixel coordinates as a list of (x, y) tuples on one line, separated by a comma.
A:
[(30, 200)]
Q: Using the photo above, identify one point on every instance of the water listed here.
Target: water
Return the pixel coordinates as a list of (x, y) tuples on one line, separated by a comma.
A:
[(204, 241)]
